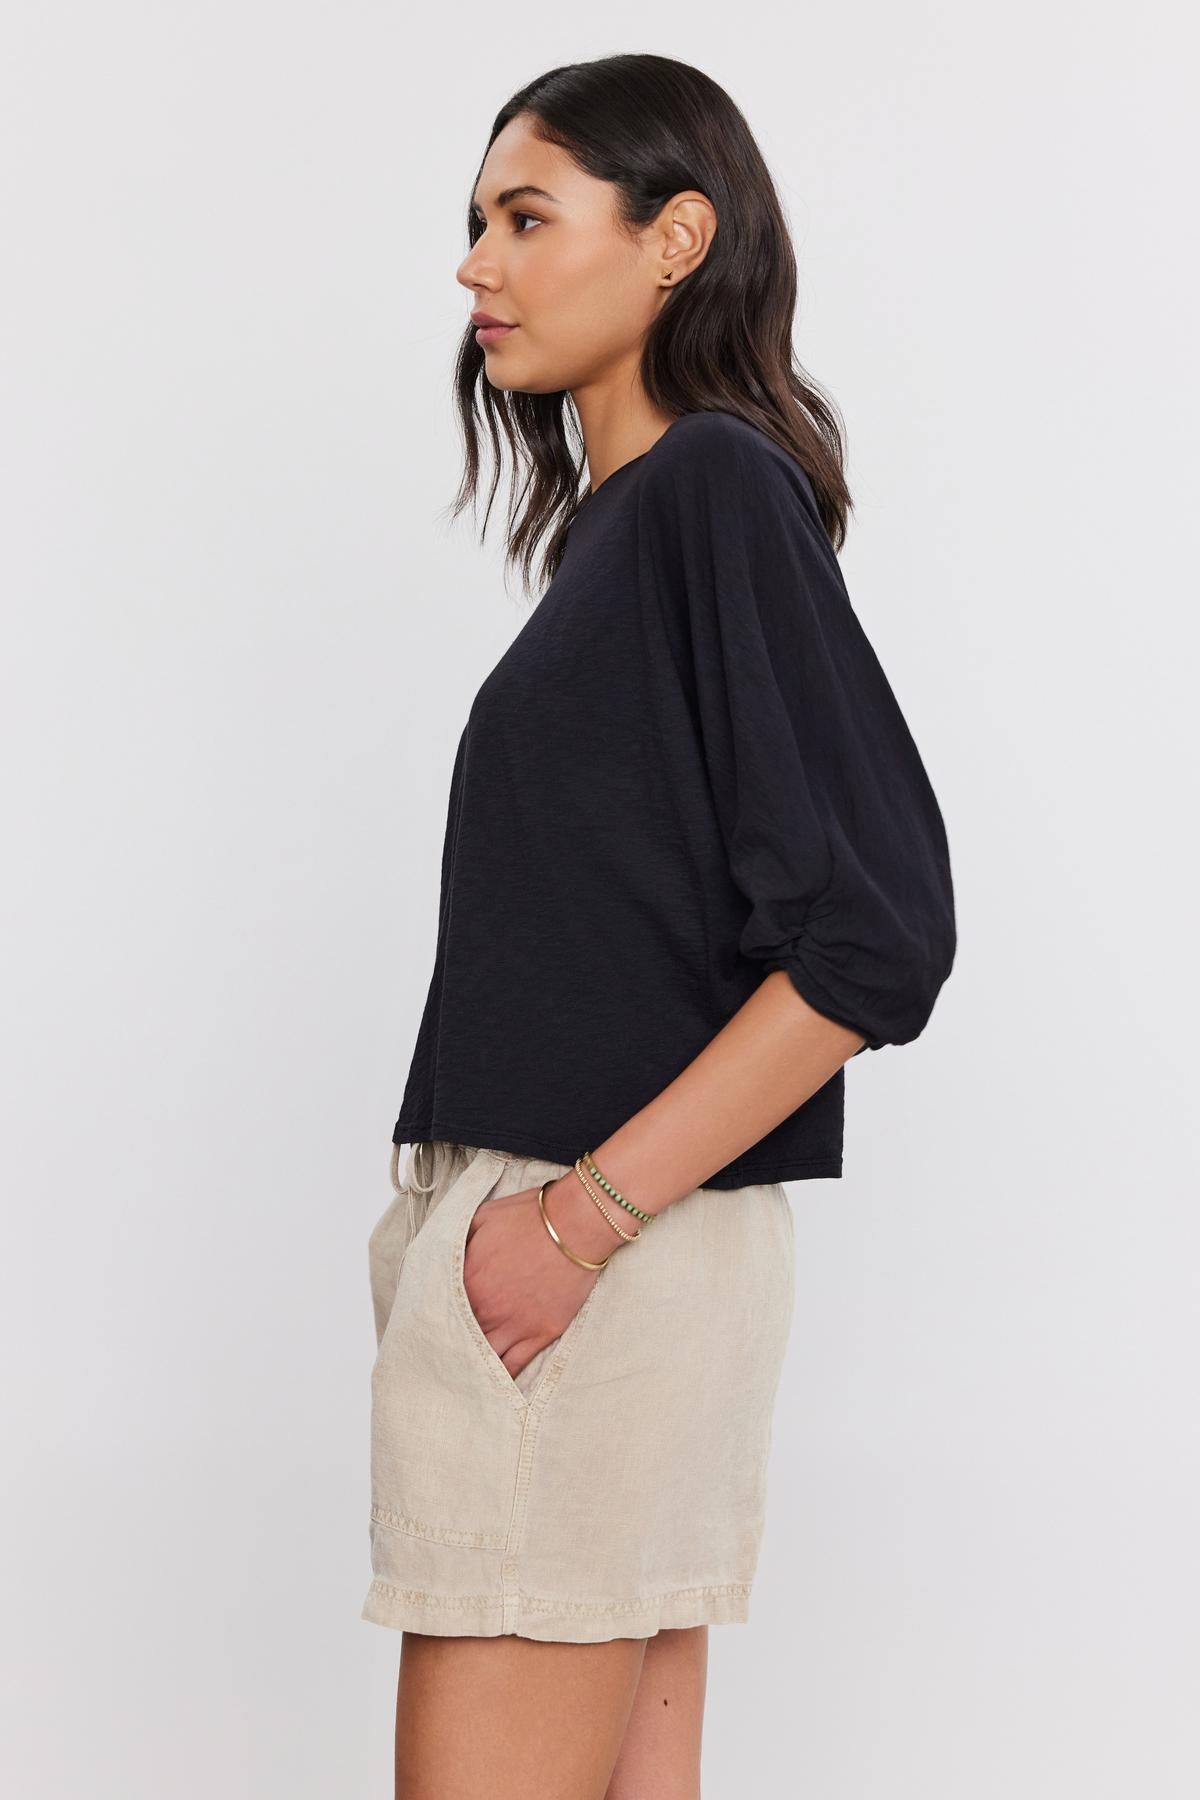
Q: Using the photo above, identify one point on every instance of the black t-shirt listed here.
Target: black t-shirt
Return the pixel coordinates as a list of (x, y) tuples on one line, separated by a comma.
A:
[(686, 770)]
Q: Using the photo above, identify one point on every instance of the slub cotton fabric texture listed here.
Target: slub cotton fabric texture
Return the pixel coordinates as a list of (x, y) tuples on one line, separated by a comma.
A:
[(686, 770), (617, 1486)]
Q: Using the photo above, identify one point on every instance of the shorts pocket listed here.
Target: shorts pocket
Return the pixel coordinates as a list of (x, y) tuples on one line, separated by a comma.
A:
[(536, 1381)]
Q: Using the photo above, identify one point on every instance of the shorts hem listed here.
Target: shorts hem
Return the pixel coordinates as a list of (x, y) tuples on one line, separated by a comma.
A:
[(555, 1621)]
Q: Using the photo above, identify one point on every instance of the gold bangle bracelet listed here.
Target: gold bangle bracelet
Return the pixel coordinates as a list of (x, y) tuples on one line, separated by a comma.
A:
[(549, 1227)]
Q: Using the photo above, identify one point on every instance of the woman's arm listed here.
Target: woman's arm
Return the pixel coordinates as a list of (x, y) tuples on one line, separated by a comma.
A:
[(765, 1061), (768, 1059), (834, 835)]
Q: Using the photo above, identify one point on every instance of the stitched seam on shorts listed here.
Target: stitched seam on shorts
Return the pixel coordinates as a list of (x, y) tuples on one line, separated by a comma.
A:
[(475, 1540), (567, 1608), (447, 1602), (607, 1608)]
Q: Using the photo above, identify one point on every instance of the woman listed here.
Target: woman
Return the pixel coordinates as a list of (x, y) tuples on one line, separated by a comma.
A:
[(692, 865)]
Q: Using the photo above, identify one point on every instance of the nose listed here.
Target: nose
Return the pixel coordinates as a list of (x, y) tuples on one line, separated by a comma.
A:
[(464, 274), (475, 270)]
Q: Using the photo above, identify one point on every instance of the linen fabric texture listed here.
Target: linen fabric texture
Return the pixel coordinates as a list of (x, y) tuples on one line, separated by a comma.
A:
[(615, 1487), (688, 769)]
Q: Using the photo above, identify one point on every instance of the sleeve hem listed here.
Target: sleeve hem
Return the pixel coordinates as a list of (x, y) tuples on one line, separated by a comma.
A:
[(809, 991)]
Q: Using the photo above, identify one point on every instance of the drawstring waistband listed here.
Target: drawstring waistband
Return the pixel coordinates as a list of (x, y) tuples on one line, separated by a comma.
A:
[(437, 1156), (415, 1186), (428, 1169), (412, 1185)]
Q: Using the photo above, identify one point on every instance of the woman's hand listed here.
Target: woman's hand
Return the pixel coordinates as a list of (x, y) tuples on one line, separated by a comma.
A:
[(522, 1289)]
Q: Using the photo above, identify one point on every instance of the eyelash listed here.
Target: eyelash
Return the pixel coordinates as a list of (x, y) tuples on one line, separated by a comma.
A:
[(482, 222)]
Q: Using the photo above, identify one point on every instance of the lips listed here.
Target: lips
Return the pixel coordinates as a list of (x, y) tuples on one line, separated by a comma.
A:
[(486, 320), (492, 334)]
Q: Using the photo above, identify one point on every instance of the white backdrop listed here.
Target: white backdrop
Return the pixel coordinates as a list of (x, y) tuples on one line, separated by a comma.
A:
[(240, 642)]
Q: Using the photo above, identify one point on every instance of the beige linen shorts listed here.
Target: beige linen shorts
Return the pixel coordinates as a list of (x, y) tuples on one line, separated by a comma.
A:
[(617, 1485)]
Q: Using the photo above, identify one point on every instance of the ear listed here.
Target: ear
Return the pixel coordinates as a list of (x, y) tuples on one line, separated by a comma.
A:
[(683, 232)]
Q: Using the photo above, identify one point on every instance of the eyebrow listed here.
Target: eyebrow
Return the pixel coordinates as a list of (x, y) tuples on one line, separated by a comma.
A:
[(513, 193)]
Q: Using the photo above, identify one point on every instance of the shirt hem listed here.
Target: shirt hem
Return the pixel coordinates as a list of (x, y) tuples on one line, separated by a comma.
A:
[(741, 1173)]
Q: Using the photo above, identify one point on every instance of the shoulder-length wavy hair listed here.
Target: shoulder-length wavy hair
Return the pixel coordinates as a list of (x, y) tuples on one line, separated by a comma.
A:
[(721, 341)]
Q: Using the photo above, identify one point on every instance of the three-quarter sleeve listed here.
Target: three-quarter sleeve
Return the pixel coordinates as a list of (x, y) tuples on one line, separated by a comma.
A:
[(834, 835)]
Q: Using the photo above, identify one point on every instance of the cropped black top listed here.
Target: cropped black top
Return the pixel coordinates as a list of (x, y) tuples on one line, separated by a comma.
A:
[(687, 769)]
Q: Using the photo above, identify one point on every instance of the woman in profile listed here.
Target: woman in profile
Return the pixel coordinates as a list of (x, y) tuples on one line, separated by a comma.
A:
[(692, 866)]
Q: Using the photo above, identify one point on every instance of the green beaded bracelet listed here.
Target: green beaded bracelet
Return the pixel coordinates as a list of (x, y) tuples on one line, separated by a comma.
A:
[(649, 1218)]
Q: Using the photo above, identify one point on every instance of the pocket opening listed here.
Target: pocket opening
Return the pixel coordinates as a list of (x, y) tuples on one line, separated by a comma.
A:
[(551, 1354)]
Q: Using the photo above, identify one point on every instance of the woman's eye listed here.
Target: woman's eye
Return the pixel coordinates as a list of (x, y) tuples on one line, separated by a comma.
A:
[(481, 222)]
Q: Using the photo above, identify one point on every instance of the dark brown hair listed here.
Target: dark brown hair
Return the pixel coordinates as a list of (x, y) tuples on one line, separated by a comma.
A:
[(722, 340)]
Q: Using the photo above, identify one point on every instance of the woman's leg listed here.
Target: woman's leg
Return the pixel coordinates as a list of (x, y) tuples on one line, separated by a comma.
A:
[(507, 1718), (660, 1753)]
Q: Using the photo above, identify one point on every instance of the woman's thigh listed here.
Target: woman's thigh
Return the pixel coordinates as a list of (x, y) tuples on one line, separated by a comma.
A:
[(660, 1752), (504, 1718)]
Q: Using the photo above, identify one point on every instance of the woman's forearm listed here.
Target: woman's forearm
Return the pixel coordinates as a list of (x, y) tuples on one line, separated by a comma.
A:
[(771, 1056)]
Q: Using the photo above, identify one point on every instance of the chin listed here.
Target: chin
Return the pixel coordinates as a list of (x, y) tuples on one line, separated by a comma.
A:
[(506, 383)]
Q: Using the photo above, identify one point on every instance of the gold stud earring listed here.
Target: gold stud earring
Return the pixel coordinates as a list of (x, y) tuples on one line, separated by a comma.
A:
[(666, 274)]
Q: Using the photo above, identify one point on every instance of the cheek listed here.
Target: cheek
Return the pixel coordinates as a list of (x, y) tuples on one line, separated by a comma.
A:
[(592, 304)]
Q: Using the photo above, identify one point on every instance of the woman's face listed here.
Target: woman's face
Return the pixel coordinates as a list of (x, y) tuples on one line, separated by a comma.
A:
[(579, 293)]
